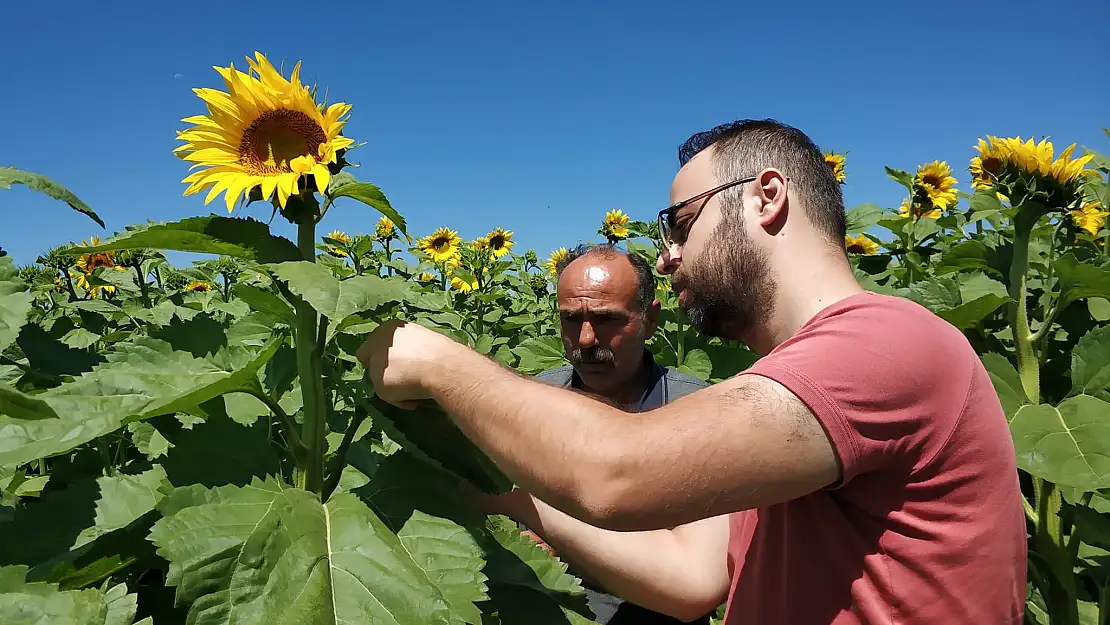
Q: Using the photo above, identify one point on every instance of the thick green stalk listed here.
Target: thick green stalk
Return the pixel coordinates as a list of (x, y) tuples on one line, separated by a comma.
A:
[(144, 290), (1028, 367), (310, 474)]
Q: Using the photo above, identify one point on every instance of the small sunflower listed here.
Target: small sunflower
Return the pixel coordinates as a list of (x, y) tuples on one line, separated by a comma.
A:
[(479, 244), (88, 262), (615, 225), (835, 161), (426, 276), (199, 286), (265, 132), (936, 182), (556, 257), (463, 286), (860, 244), (1089, 217), (919, 210), (441, 245), (384, 230), (501, 242), (343, 238), (81, 281)]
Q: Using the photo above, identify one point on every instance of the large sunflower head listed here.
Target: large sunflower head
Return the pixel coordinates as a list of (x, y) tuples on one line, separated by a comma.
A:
[(1026, 170), (615, 225), (935, 185), (860, 244), (265, 133), (500, 242), (441, 245), (835, 161)]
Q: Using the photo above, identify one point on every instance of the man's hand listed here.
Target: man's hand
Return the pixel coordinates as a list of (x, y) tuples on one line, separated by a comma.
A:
[(401, 359)]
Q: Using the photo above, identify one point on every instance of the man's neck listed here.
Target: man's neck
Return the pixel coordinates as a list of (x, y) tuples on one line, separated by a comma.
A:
[(808, 294), (628, 395)]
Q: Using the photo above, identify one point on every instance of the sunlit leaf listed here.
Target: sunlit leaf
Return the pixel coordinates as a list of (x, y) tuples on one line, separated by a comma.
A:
[(1067, 444), (335, 298), (1080, 280), (42, 184), (1090, 364), (15, 303), (860, 218), (373, 197), (35, 603), (230, 236), (540, 354), (1007, 382), (268, 552)]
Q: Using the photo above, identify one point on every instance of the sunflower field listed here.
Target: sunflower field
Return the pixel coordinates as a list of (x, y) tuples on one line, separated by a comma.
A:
[(199, 444)]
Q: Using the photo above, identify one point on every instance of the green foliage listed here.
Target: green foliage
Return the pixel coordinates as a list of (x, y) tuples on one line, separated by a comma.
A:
[(199, 444)]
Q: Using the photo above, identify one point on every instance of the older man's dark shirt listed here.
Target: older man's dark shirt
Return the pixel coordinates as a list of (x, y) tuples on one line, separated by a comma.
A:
[(664, 385)]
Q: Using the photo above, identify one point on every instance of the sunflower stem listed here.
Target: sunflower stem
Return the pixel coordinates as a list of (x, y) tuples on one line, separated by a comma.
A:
[(1027, 362), (144, 289), (309, 475)]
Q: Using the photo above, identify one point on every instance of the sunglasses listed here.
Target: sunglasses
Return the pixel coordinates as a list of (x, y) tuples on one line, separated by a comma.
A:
[(669, 232)]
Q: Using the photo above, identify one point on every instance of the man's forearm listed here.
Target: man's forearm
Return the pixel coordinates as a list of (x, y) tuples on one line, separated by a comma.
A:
[(557, 444), (681, 572)]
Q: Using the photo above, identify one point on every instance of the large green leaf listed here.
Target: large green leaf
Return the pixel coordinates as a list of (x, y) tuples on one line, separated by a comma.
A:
[(334, 298), (1007, 382), (268, 552), (370, 195), (1067, 444), (15, 303), (18, 405), (123, 499), (862, 217), (697, 364), (1090, 364), (540, 354), (140, 379), (42, 184), (429, 434), (265, 301), (980, 296), (1080, 280), (230, 236), (37, 603)]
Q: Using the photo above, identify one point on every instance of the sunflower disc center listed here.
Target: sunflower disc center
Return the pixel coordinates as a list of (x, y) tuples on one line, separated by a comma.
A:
[(277, 137)]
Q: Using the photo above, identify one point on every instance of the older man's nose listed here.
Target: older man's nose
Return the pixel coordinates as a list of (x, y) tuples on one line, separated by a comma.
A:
[(586, 336), (669, 259)]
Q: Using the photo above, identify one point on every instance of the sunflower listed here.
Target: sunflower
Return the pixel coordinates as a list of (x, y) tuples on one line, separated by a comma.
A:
[(426, 276), (556, 257), (463, 286), (199, 286), (835, 162), (936, 183), (860, 244), (1025, 168), (81, 280), (384, 229), (479, 244), (1089, 217), (500, 241), (919, 210), (343, 238), (441, 245), (88, 262), (615, 225), (265, 132)]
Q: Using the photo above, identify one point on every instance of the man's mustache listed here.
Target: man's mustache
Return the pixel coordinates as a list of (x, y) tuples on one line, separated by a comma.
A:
[(592, 355)]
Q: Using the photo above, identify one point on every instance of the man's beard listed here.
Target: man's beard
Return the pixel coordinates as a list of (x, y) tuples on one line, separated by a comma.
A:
[(729, 290)]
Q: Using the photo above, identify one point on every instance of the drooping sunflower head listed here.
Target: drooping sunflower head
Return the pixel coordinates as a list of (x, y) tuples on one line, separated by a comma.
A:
[(835, 161), (384, 230), (860, 244), (1090, 217), (266, 133), (556, 257), (89, 262), (935, 185), (81, 281), (1026, 170), (500, 242), (199, 286), (441, 245), (615, 225)]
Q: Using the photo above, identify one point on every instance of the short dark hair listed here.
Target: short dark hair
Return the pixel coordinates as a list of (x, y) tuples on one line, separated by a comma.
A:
[(645, 279), (746, 146)]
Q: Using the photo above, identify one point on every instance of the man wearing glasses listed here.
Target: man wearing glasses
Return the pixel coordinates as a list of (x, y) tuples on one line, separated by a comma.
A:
[(864, 462)]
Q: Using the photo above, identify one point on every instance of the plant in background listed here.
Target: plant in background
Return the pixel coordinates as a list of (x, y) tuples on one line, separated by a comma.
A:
[(836, 162), (615, 226)]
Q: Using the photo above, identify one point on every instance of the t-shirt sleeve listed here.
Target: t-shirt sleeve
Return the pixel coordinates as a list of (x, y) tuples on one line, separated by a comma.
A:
[(886, 380)]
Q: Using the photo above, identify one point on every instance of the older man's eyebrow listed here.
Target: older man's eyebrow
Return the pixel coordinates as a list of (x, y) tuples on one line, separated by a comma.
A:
[(595, 312)]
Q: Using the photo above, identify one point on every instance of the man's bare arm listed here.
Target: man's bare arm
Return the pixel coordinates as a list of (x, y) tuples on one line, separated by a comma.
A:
[(742, 443), (681, 572)]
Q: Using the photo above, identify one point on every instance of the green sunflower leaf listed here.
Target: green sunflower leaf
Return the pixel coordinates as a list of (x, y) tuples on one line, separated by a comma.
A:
[(230, 236), (42, 184)]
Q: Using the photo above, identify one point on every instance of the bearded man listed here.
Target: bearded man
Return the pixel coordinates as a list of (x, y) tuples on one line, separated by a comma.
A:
[(864, 462)]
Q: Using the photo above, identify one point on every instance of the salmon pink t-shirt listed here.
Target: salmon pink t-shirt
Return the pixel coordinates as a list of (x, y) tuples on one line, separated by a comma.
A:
[(926, 525)]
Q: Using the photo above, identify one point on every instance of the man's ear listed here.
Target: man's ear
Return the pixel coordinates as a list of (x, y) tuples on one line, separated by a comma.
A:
[(770, 193), (652, 321)]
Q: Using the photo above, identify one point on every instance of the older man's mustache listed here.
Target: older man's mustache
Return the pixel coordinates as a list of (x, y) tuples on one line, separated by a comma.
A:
[(592, 355)]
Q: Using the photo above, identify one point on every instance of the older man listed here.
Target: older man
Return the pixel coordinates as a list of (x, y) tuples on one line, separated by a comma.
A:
[(865, 461), (607, 311)]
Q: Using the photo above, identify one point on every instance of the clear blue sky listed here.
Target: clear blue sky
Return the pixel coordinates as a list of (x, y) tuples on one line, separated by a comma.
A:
[(536, 117)]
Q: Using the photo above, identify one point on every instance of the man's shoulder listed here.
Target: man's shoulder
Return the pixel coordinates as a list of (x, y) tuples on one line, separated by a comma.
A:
[(557, 375), (679, 383)]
